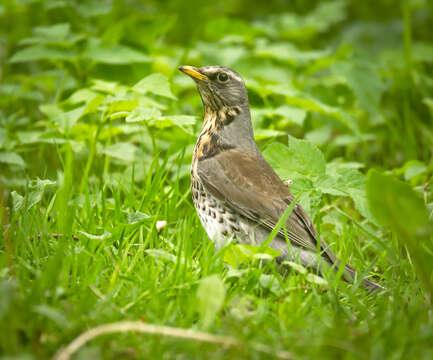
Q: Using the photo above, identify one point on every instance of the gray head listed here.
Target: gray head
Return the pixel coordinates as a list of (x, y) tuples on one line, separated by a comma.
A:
[(226, 109), (219, 87)]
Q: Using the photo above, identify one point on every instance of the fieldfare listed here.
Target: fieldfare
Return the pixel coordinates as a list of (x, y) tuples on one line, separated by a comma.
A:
[(236, 193)]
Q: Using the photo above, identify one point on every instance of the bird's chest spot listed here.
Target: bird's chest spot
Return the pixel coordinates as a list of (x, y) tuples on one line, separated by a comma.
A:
[(219, 221)]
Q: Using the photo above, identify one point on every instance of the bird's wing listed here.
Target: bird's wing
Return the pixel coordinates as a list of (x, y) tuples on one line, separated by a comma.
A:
[(251, 187)]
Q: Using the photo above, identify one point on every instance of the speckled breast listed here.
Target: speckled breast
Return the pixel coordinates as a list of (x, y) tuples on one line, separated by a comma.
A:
[(219, 221)]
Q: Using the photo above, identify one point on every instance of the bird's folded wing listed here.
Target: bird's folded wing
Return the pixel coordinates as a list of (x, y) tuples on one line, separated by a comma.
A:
[(251, 187)]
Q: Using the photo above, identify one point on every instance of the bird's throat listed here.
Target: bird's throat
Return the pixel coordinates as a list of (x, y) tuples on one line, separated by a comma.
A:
[(210, 142)]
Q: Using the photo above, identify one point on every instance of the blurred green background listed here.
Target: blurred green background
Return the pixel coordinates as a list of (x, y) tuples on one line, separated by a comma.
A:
[(97, 128)]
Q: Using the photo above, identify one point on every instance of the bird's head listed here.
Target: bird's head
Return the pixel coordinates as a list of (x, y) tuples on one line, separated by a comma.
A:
[(219, 87)]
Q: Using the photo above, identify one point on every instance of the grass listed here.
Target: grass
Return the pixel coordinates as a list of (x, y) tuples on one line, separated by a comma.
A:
[(64, 284), (92, 158)]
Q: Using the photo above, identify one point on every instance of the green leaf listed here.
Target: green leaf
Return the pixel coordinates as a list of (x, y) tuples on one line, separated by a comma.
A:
[(36, 190), (142, 113), (17, 201), (365, 82), (115, 55), (103, 236), (57, 32), (156, 84), (12, 158), (122, 151), (40, 52), (137, 217), (52, 314), (287, 52), (210, 295), (299, 158), (395, 205), (3, 137), (289, 113), (161, 255)]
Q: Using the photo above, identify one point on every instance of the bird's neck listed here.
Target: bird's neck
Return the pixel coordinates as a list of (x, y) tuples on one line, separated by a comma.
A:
[(225, 129)]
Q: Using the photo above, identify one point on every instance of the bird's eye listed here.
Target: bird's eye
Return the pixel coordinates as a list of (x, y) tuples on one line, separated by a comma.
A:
[(223, 77)]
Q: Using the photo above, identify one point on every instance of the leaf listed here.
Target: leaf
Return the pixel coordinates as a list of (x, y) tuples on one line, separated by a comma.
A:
[(40, 52), (422, 51), (103, 236), (7, 292), (57, 32), (299, 158), (109, 87), (237, 254), (271, 283), (395, 205), (65, 120), (3, 137), (365, 82), (161, 255), (295, 266), (317, 280), (52, 314), (121, 106), (156, 84), (260, 134), (36, 190), (289, 113), (210, 295), (122, 151), (115, 55), (137, 217), (17, 201), (287, 52), (12, 158), (142, 113)]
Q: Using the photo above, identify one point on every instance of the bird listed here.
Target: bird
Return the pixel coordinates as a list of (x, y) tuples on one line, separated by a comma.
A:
[(236, 193)]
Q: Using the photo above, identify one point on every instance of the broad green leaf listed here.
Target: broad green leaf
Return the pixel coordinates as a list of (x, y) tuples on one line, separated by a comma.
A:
[(365, 82), (52, 314), (289, 113), (12, 158), (317, 280), (422, 51), (65, 120), (156, 84), (82, 95), (17, 201), (121, 151), (295, 266), (395, 205), (121, 105), (142, 113), (40, 52), (299, 158), (260, 134), (271, 283), (3, 137), (210, 296), (137, 217), (36, 189), (7, 292), (287, 52), (109, 87), (115, 55), (57, 32), (161, 255)]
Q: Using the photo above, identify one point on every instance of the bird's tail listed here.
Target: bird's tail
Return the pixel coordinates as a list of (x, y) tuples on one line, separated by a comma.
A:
[(350, 274)]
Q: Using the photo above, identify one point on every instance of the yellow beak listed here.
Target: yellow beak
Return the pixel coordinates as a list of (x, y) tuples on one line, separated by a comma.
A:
[(193, 72)]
